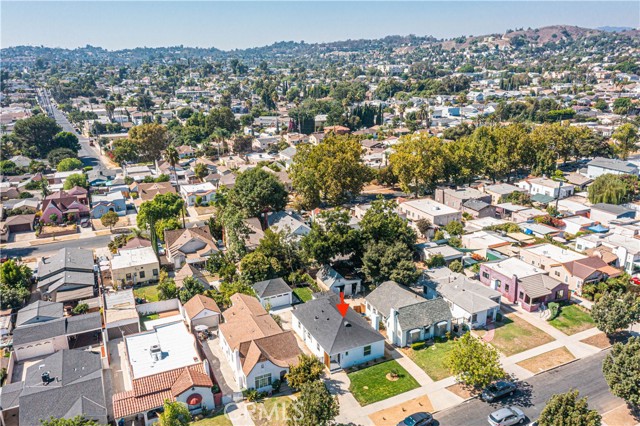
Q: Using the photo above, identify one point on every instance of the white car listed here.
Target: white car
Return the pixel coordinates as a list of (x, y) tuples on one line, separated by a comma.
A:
[(506, 417)]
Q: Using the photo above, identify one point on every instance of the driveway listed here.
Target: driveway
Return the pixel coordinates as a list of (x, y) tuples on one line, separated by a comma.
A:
[(220, 366), (120, 378)]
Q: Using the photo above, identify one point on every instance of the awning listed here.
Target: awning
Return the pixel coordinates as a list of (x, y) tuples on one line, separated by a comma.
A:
[(598, 228), (194, 399), (542, 198)]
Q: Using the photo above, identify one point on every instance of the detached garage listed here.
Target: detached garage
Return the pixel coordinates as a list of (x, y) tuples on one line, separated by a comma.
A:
[(202, 310), (20, 223), (275, 293), (121, 316)]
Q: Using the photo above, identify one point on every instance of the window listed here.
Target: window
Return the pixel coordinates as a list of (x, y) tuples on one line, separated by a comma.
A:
[(141, 274), (474, 317), (263, 380), (128, 276), (520, 295), (367, 350), (498, 283), (485, 275), (155, 272), (506, 287), (559, 294), (317, 346), (557, 273)]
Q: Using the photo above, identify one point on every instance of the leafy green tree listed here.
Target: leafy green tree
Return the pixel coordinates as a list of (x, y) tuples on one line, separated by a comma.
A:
[(75, 421), (166, 224), (622, 105), (221, 118), (69, 164), (419, 163), (331, 172), (14, 283), (424, 226), (257, 192), (381, 224), (473, 362), (110, 219), (611, 189), (314, 407), (57, 155), (34, 135), (150, 139), (456, 266), (66, 140), (172, 156), (190, 287), (454, 228), (125, 151), (330, 236), (567, 409), (309, 369), (76, 179), (8, 167), (201, 171), (627, 138), (436, 261), (621, 370), (163, 206), (175, 413), (167, 288), (256, 266), (382, 262), (615, 311)]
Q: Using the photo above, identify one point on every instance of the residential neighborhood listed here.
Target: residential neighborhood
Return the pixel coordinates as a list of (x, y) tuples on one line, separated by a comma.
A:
[(408, 230)]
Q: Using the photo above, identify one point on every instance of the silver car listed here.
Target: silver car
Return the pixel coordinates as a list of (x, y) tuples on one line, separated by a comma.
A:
[(506, 417)]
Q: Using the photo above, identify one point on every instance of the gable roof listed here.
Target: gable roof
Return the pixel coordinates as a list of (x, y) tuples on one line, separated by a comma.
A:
[(40, 310), (538, 285), (614, 164), (199, 303), (333, 332), (391, 295), (424, 314), (57, 327), (271, 287), (584, 268), (176, 239)]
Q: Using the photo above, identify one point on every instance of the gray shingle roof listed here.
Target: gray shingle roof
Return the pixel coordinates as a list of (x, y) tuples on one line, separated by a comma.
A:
[(614, 164), (611, 208), (423, 314), (538, 285), (57, 327), (335, 334), (70, 259), (475, 205), (390, 295), (39, 311), (272, 287)]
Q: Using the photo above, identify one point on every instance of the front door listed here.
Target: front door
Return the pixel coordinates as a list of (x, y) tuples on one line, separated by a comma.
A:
[(327, 361)]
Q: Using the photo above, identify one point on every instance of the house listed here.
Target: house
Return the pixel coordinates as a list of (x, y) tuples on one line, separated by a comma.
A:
[(481, 242), (121, 316), (64, 385), (578, 180), (547, 256), (455, 198), (189, 270), (256, 347), (38, 339), (198, 193), (330, 279), (67, 276), (20, 223), (447, 252), (163, 364), (600, 166), (472, 304), (523, 283), (499, 191), (540, 230), (625, 247), (606, 213), (544, 186), (189, 245), (478, 209), (65, 204), (425, 208), (275, 293), (339, 342), (185, 151), (148, 191), (202, 310), (39, 311), (112, 202), (407, 316), (569, 207), (290, 223), (588, 270), (136, 266)]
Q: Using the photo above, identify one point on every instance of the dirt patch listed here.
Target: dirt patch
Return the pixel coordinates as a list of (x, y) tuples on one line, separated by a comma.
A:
[(603, 341), (462, 391), (547, 360), (169, 313), (394, 415), (123, 221), (620, 417)]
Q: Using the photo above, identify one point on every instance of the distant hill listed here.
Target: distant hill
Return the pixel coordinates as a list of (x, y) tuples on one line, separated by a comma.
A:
[(615, 29)]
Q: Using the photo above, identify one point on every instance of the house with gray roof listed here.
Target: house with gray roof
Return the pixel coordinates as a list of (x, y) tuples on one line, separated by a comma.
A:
[(290, 223), (600, 166), (331, 280), (64, 385), (471, 303), (407, 316), (275, 293), (67, 276), (39, 311), (606, 213), (339, 342)]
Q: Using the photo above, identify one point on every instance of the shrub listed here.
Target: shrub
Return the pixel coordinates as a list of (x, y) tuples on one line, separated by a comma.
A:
[(276, 385), (418, 345), (554, 310), (251, 395), (81, 308)]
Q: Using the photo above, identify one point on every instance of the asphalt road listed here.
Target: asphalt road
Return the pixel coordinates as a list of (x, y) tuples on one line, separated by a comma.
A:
[(42, 249), (584, 375)]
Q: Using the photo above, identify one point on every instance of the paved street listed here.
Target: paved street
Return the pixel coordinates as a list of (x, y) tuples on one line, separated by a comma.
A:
[(41, 249), (584, 375)]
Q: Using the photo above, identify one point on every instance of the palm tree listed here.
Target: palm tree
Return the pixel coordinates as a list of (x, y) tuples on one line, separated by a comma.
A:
[(200, 171), (44, 186), (171, 154)]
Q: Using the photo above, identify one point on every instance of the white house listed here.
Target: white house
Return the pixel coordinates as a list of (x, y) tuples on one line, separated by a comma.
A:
[(275, 293), (600, 166), (204, 190), (339, 342), (546, 186), (330, 279), (201, 310), (425, 208)]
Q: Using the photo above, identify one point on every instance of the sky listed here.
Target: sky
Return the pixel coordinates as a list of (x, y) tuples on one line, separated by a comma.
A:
[(241, 24)]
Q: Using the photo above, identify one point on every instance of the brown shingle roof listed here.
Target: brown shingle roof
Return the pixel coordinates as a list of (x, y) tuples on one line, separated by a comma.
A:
[(199, 303)]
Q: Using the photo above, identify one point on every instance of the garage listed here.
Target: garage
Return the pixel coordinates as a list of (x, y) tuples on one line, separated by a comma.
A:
[(20, 223), (34, 350), (275, 293)]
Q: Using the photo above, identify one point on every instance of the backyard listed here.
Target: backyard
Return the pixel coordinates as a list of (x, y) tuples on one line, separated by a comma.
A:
[(432, 359), (149, 293), (303, 293), (572, 319), (375, 383), (513, 335)]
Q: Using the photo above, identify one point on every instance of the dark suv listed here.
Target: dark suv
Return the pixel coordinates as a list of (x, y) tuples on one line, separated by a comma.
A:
[(497, 390), (417, 419)]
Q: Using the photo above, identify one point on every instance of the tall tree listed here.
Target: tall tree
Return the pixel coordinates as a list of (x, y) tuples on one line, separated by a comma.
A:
[(163, 206), (382, 262), (611, 189), (151, 139), (567, 409), (474, 362), (381, 223), (621, 370), (110, 219), (614, 311), (257, 192), (34, 135), (330, 236), (418, 162), (627, 138), (315, 406), (171, 154)]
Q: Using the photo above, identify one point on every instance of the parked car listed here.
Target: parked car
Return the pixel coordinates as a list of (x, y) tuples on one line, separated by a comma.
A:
[(506, 417), (417, 419), (85, 222), (497, 390)]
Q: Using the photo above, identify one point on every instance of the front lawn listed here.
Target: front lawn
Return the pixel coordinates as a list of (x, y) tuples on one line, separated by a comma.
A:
[(572, 319), (514, 335), (303, 293), (149, 293), (217, 420), (271, 411), (371, 384), (431, 359)]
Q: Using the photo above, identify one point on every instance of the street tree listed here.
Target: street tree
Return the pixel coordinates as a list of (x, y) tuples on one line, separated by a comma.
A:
[(124, 151), (473, 362), (567, 409), (309, 369), (614, 311), (110, 219), (315, 406), (621, 370)]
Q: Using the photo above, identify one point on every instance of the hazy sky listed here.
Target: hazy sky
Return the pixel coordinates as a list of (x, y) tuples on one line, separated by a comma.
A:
[(241, 24)]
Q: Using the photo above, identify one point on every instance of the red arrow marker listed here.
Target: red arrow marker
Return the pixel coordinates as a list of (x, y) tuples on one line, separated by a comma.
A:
[(342, 307)]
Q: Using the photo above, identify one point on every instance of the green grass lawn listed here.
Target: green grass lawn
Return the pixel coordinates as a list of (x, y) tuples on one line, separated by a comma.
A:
[(371, 385), (149, 293), (271, 411), (303, 293), (431, 359), (217, 420), (572, 320), (514, 335)]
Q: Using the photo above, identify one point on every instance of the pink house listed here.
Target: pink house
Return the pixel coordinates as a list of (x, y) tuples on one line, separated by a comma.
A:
[(64, 203), (523, 283)]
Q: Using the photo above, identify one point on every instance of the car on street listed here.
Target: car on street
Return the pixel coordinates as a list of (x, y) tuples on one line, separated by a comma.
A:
[(498, 390), (85, 222), (506, 417), (417, 419)]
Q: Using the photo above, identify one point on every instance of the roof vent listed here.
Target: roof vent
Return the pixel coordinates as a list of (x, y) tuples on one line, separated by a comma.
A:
[(347, 324), (46, 378), (156, 352)]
